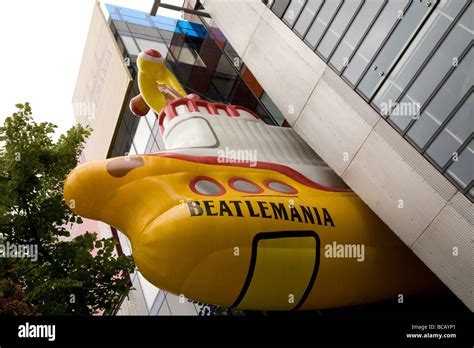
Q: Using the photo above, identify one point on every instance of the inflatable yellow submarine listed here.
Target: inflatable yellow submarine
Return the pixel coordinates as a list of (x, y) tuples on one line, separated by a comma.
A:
[(239, 213)]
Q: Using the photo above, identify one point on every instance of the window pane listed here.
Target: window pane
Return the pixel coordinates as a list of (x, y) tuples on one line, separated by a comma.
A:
[(187, 56), (355, 32), (293, 11), (453, 135), (224, 67), (142, 135), (130, 45), (159, 46), (444, 102), (321, 22), (145, 30), (272, 108), (404, 31), (279, 7), (462, 170), (338, 26), (419, 50), (307, 16), (374, 38), (439, 65)]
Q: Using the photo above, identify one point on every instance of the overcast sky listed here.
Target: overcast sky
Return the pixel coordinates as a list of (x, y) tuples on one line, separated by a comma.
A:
[(42, 44)]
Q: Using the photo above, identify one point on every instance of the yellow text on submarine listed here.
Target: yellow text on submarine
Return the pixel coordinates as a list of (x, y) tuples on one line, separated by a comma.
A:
[(262, 250)]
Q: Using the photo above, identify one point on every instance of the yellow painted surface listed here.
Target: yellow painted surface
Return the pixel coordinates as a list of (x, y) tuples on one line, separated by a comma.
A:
[(207, 256), (202, 246), (277, 260)]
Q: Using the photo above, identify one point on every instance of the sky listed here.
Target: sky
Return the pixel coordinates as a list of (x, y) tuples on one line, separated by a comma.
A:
[(42, 44)]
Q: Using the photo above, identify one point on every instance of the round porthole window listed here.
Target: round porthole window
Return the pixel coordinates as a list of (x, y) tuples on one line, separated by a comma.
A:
[(204, 185), (280, 186), (244, 185)]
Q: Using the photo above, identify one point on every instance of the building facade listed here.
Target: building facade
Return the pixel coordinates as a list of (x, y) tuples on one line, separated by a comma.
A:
[(382, 91), (204, 62)]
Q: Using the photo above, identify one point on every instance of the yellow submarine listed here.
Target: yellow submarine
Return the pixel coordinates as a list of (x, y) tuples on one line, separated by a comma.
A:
[(239, 213)]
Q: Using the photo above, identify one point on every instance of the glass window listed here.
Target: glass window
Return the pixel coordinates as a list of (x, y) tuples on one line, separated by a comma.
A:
[(279, 186), (206, 186), (357, 29), (151, 118), (453, 135), (145, 30), (138, 21), (419, 50), (304, 21), (225, 67), (187, 56), (120, 25), (130, 45), (347, 11), (324, 17), (159, 46), (372, 41), (233, 55), (164, 20), (272, 108), (122, 141), (454, 89), (149, 290), (293, 11), (404, 31), (168, 33), (244, 185), (279, 7), (462, 170), (224, 86), (440, 63), (142, 134)]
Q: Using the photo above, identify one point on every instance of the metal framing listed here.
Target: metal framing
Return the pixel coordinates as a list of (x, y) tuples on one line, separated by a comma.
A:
[(359, 43), (336, 12), (410, 40), (316, 13), (297, 16), (284, 11), (430, 55), (402, 53), (158, 3), (379, 49), (438, 88), (356, 13)]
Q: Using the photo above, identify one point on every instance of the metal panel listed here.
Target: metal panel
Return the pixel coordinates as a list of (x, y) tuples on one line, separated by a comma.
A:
[(323, 125), (392, 188), (447, 247), (353, 99), (237, 20), (463, 206), (416, 161), (276, 59)]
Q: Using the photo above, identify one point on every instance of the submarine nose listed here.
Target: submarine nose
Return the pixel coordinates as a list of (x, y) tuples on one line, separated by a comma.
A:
[(81, 190)]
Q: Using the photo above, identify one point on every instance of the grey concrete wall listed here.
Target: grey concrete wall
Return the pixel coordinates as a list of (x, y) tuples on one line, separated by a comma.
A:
[(418, 203)]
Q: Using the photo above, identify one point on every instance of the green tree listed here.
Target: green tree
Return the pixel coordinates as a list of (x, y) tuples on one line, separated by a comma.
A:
[(80, 276)]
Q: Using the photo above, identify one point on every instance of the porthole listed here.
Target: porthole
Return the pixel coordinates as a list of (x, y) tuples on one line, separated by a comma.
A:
[(280, 186), (207, 186), (244, 185)]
